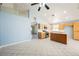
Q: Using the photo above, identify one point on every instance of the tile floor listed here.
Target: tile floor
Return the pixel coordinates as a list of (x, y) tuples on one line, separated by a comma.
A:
[(43, 47)]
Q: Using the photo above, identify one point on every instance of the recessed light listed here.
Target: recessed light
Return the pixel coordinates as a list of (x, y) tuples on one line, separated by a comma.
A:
[(65, 11)]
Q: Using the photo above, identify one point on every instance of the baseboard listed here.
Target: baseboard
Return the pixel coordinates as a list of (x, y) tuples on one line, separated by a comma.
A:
[(13, 43)]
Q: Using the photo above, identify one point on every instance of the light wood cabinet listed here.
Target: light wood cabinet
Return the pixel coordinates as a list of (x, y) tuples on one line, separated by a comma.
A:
[(76, 30), (76, 26), (41, 35), (76, 35), (68, 24), (61, 26)]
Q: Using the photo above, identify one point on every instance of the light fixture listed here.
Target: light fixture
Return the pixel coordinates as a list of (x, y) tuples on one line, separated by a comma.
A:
[(42, 4), (53, 10), (65, 12)]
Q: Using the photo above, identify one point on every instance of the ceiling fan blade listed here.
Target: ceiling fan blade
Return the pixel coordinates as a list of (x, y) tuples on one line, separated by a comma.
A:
[(46, 6), (34, 4), (39, 8)]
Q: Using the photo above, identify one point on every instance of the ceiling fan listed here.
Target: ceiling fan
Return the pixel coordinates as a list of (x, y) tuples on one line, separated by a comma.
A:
[(41, 4)]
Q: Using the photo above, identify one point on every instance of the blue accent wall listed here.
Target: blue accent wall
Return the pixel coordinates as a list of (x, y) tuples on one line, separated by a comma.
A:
[(14, 28)]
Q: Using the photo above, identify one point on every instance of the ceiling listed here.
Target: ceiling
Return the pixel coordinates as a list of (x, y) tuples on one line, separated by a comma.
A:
[(62, 11)]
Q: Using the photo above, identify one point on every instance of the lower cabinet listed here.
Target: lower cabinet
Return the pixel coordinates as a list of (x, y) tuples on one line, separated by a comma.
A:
[(58, 37), (41, 35)]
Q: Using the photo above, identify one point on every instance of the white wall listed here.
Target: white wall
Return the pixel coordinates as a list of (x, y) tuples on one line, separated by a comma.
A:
[(69, 31), (14, 28)]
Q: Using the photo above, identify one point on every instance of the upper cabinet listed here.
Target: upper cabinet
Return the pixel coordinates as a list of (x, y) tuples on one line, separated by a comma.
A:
[(61, 26), (76, 26)]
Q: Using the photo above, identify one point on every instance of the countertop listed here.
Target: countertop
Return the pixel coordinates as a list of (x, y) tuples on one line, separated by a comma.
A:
[(58, 32)]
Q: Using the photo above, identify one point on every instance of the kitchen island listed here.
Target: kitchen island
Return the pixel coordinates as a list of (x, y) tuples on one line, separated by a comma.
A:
[(58, 37)]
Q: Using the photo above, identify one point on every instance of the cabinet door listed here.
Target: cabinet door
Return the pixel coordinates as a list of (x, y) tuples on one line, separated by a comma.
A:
[(61, 26), (76, 26), (76, 35)]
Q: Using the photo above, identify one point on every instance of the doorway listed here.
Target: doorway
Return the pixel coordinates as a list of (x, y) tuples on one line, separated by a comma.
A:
[(34, 31)]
